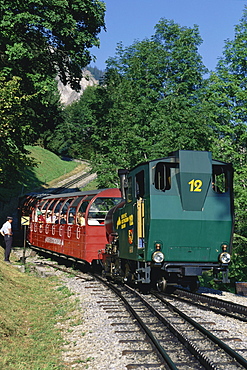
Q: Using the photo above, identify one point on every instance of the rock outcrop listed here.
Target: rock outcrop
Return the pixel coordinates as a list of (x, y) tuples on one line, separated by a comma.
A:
[(68, 96)]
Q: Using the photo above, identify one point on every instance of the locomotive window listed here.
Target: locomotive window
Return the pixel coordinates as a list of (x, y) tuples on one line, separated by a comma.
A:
[(162, 177), (129, 190), (219, 179), (99, 208), (140, 189)]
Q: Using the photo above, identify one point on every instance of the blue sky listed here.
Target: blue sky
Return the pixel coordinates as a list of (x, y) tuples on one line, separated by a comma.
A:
[(130, 20)]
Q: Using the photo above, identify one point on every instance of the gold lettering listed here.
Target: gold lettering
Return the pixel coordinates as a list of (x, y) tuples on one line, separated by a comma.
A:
[(118, 222)]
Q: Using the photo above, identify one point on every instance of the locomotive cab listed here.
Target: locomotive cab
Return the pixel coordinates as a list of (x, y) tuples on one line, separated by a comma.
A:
[(176, 221)]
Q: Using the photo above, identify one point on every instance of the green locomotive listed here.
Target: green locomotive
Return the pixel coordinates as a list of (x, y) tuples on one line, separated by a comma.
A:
[(176, 221)]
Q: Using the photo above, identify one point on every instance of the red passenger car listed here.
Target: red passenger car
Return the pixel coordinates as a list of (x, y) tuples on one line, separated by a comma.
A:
[(71, 224)]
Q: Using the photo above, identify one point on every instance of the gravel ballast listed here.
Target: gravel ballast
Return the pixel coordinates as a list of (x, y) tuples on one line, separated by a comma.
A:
[(94, 342)]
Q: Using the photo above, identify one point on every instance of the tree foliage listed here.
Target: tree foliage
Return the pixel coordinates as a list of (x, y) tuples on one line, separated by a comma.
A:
[(49, 36), (227, 91), (40, 40), (149, 102), (12, 132)]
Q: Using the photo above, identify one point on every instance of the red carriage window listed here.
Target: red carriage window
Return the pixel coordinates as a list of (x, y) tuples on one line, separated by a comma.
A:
[(52, 204), (80, 215), (83, 206), (63, 211), (58, 206), (72, 214), (57, 209), (99, 209), (50, 214), (39, 212)]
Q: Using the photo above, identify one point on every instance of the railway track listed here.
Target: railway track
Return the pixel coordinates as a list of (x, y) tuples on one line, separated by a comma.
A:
[(204, 302), (158, 334), (169, 328), (70, 183)]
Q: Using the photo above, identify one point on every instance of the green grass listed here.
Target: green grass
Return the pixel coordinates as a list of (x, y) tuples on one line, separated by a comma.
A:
[(91, 185), (30, 308), (50, 166), (49, 169)]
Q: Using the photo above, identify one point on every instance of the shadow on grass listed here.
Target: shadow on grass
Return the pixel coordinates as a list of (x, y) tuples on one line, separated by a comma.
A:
[(29, 183)]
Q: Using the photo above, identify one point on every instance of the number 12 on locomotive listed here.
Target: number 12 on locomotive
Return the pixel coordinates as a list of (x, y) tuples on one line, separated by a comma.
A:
[(195, 185)]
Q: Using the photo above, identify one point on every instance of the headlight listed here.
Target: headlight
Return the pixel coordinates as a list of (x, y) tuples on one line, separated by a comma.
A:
[(225, 257), (158, 257)]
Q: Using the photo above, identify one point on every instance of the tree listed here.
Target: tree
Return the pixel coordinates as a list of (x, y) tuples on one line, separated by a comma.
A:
[(38, 41), (12, 132), (152, 89), (96, 73), (49, 37), (227, 88), (226, 96), (72, 137)]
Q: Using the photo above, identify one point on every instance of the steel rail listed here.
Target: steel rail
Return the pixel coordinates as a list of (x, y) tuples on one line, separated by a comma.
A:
[(204, 331), (201, 357), (229, 306), (212, 303), (152, 337), (71, 182), (147, 331)]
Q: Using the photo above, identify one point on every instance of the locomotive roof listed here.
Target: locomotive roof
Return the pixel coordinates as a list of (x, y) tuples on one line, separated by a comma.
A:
[(175, 156)]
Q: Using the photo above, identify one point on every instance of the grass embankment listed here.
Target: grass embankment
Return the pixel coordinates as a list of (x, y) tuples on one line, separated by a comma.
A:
[(30, 307), (50, 168)]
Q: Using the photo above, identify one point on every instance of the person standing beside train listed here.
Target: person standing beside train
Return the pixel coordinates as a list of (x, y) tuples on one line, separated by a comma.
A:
[(6, 231)]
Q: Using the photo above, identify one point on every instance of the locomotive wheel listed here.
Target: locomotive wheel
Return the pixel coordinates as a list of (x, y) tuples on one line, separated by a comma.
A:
[(194, 285), (161, 285)]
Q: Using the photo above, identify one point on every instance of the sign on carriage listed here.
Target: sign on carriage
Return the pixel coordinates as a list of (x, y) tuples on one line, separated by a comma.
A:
[(25, 220)]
